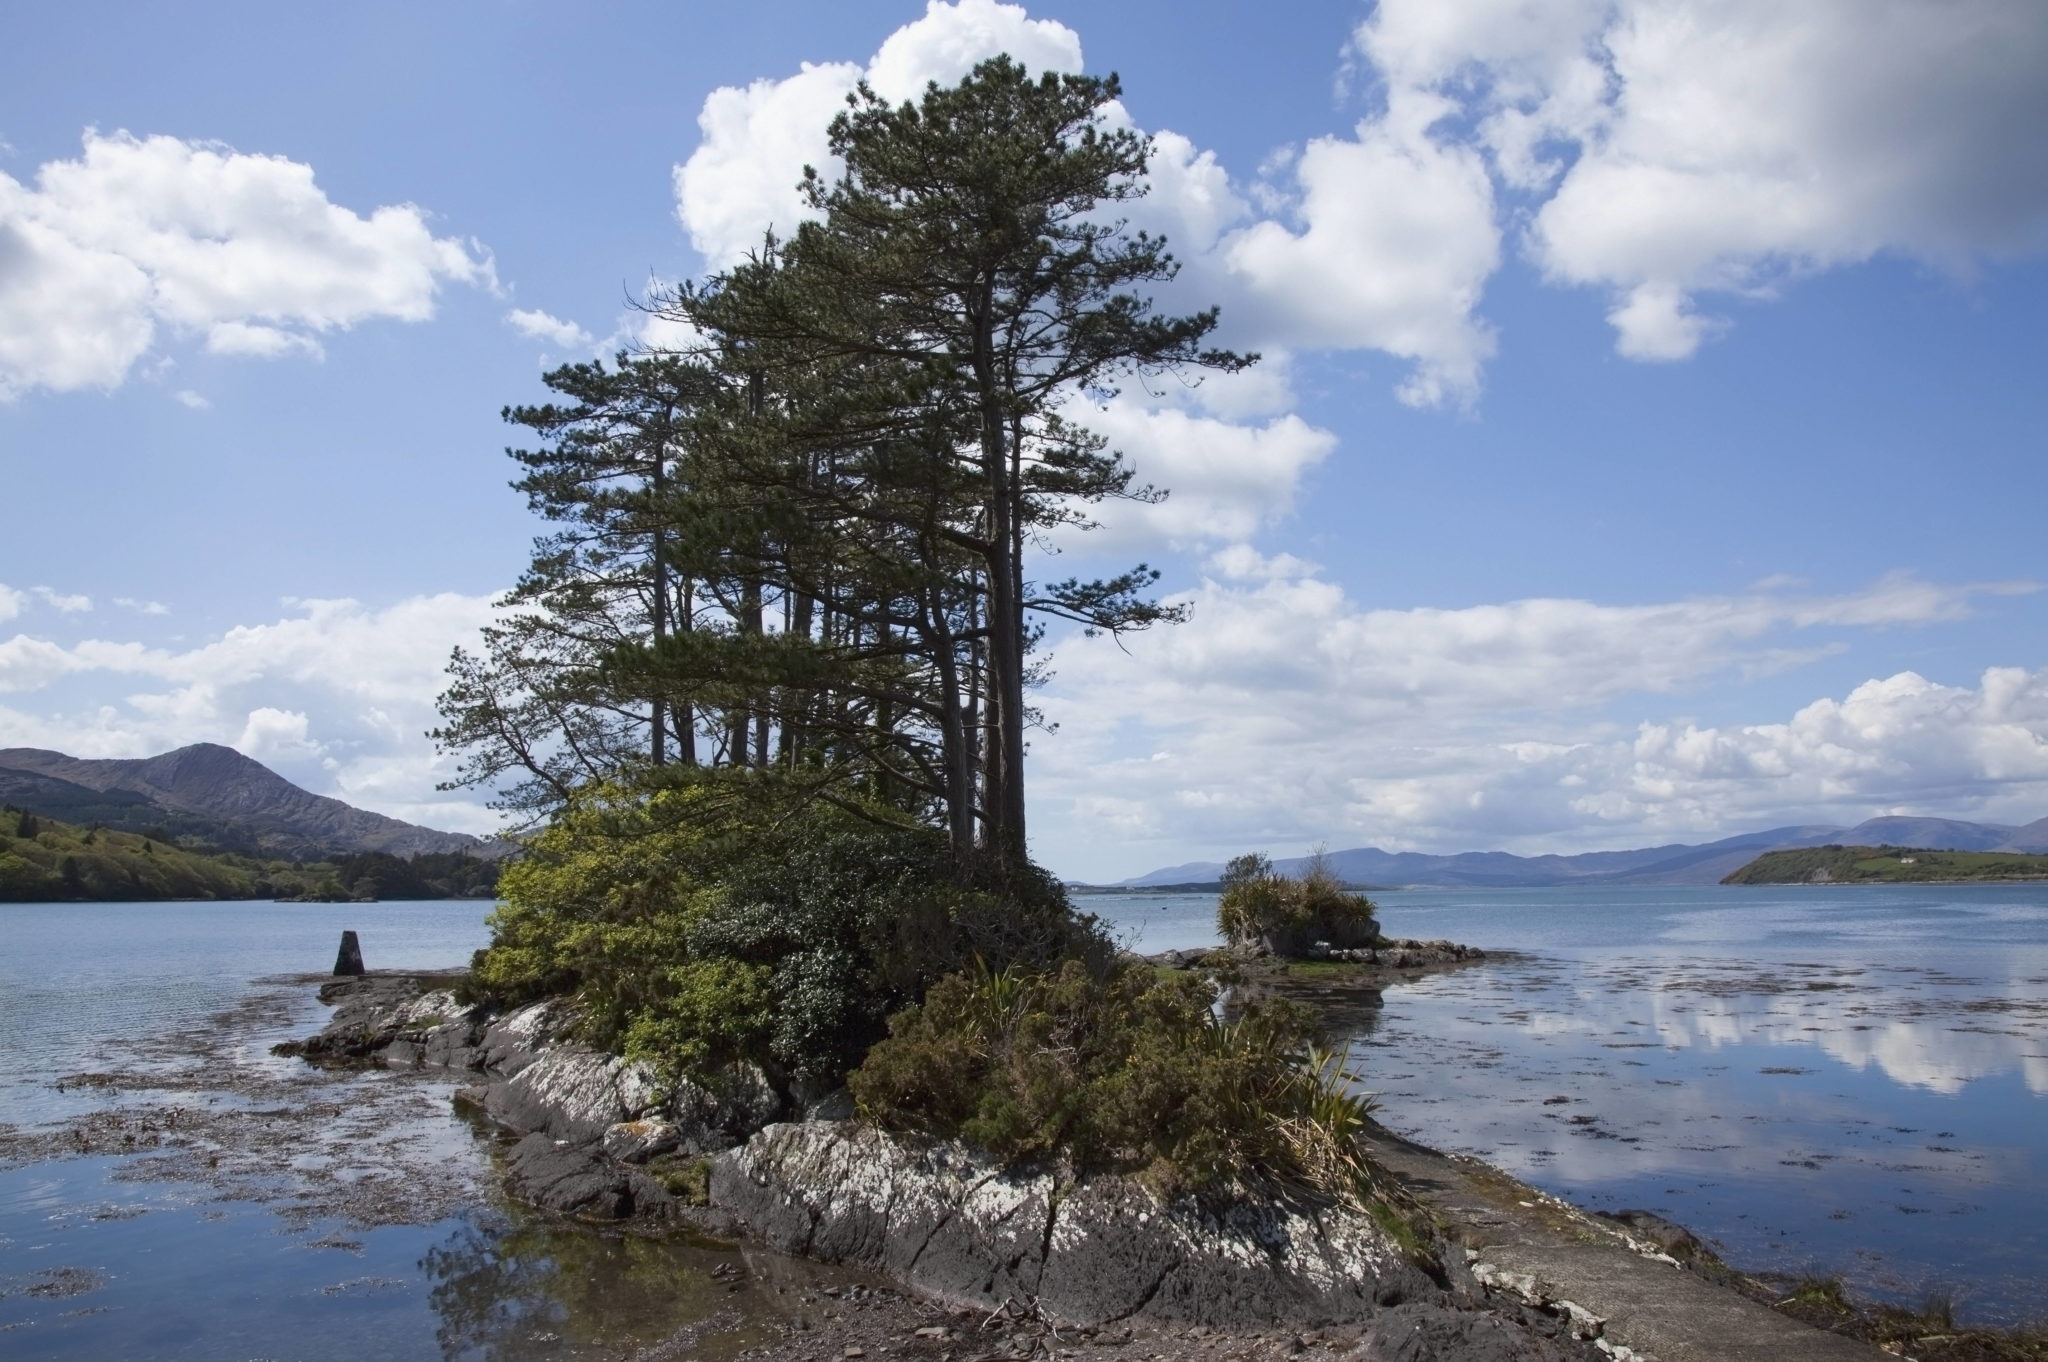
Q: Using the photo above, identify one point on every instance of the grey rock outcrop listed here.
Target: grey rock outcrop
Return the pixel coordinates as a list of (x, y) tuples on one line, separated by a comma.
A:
[(957, 1228), (573, 1093), (1653, 1233), (590, 1118), (515, 1040), (578, 1179), (397, 1019), (601, 1139)]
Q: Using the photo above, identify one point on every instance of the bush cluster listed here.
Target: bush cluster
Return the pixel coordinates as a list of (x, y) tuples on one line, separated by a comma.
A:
[(1289, 914), (1124, 1069), (697, 929)]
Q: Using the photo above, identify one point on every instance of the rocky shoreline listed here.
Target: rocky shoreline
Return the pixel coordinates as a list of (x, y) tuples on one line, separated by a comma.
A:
[(602, 1138), (599, 1138), (1041, 1259)]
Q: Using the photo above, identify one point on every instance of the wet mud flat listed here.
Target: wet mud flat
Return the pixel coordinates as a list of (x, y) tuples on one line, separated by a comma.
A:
[(211, 1111)]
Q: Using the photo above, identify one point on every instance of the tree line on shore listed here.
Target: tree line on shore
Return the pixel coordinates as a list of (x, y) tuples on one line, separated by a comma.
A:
[(45, 860)]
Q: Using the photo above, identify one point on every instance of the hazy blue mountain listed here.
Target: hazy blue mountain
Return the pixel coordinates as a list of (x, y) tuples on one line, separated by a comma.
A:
[(1190, 872), (216, 794), (2032, 837), (1676, 863)]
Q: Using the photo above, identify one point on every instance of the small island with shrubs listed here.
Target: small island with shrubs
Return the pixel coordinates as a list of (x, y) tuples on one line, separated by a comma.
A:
[(1309, 927)]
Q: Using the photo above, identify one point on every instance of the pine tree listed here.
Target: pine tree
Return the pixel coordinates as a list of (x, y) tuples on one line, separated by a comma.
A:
[(976, 301), (538, 704), (803, 543)]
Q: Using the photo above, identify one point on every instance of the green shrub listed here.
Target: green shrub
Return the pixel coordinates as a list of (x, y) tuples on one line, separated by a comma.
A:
[(1120, 1070), (598, 905), (1288, 915), (698, 926)]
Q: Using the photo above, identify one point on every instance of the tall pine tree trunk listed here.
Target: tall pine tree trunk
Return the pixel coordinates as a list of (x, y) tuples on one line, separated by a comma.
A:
[(686, 713), (1004, 776), (658, 574)]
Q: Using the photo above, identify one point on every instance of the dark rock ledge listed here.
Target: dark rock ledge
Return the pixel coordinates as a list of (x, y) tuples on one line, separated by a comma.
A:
[(601, 1138)]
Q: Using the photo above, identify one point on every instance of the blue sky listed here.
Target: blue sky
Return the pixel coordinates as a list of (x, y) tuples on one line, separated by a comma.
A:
[(1649, 445)]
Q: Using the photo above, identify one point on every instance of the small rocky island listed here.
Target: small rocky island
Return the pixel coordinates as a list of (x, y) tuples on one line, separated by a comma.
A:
[(1283, 1230), (1334, 1235), (1281, 931), (603, 1138)]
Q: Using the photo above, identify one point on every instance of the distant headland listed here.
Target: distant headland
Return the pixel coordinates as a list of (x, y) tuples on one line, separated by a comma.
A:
[(1675, 863), (206, 822)]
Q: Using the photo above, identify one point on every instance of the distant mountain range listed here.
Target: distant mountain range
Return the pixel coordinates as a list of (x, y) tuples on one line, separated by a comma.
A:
[(1673, 864), (214, 795)]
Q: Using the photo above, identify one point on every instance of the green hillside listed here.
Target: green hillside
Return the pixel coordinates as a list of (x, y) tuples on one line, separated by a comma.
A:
[(43, 860), (1887, 865)]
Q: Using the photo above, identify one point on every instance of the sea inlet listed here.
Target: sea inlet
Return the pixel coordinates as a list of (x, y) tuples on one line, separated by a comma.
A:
[(1847, 1081)]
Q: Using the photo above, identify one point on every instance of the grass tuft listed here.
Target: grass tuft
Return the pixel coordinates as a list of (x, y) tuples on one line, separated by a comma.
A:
[(1127, 1071)]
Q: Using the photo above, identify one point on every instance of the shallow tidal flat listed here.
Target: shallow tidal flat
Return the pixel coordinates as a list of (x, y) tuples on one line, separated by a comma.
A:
[(1824, 1081), (169, 1189)]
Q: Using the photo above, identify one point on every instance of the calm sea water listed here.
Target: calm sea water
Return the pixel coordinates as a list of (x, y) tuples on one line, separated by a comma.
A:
[(79, 980), (100, 1256), (1847, 1080)]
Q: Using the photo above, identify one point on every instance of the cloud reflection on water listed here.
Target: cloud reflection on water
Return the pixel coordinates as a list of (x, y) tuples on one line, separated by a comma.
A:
[(1822, 1113)]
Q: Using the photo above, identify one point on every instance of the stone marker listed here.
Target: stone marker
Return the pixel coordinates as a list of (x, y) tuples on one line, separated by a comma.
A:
[(349, 960)]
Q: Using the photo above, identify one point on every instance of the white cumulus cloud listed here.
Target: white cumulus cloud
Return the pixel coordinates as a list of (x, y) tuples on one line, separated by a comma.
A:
[(741, 181), (15, 600), (1283, 714), (274, 735), (1395, 241), (336, 695), (541, 326), (1669, 149), (67, 602), (1381, 240), (1225, 480), (142, 235), (1897, 740), (260, 342)]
